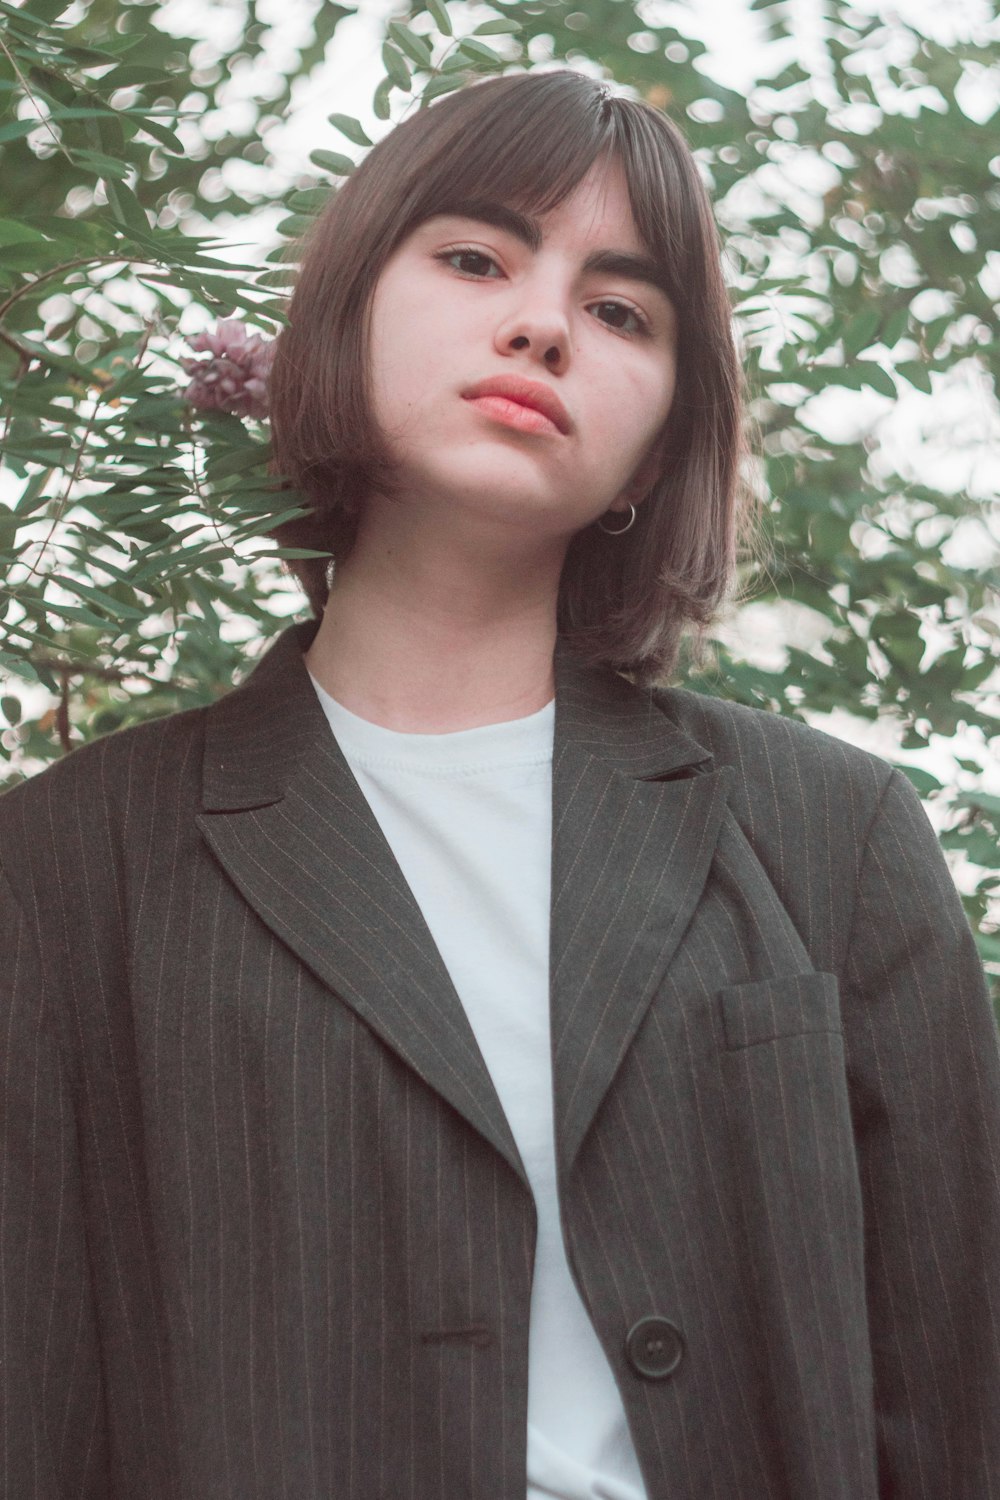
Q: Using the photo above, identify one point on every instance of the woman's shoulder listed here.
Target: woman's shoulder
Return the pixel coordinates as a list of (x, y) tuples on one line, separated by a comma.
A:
[(815, 811), (791, 785), (121, 773), (155, 769), (759, 743), (72, 836)]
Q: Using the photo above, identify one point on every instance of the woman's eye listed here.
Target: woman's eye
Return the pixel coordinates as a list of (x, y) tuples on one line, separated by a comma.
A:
[(620, 316), (482, 267), (470, 262)]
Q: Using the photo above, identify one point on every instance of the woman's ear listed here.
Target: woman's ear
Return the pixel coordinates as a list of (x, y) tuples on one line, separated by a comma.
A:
[(639, 486)]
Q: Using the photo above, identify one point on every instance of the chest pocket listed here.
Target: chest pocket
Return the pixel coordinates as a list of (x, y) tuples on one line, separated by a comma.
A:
[(790, 1005)]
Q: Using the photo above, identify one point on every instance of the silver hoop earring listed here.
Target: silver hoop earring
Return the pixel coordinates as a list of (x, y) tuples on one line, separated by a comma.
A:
[(617, 530)]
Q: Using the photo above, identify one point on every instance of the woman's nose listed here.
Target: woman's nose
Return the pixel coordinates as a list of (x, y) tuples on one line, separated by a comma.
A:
[(541, 333)]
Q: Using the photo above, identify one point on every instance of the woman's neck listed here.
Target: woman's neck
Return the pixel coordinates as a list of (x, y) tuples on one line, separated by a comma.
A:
[(430, 639)]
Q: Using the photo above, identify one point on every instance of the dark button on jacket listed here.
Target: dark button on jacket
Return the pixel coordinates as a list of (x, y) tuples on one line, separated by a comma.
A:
[(654, 1347)]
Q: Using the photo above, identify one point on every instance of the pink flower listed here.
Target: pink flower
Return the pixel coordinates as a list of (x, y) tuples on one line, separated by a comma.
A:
[(234, 377)]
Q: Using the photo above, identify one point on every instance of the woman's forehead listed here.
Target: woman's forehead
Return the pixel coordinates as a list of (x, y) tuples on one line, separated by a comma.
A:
[(536, 186)]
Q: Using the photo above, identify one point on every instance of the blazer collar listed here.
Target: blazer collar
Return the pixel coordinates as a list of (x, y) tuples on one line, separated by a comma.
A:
[(636, 816), (601, 715), (258, 734)]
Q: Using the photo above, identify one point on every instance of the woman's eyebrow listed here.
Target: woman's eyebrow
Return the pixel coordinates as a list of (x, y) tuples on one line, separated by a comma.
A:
[(522, 226), (624, 263)]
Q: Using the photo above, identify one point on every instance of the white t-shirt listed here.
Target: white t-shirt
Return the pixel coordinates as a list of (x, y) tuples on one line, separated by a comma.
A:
[(468, 817)]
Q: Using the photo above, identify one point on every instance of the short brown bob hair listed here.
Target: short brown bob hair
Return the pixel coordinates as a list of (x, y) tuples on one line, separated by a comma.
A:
[(527, 140)]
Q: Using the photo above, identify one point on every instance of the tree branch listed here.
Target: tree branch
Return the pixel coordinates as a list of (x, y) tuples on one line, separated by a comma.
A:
[(69, 265), (64, 669)]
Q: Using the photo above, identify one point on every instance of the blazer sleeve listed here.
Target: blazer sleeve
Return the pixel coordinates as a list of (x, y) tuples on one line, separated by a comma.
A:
[(52, 1442), (924, 1068)]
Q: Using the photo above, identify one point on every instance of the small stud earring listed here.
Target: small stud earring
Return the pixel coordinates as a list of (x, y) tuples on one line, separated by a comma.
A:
[(617, 530)]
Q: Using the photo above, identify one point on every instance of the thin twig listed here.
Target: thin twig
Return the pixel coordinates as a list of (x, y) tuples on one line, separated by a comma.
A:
[(24, 359), (68, 265), (84, 439), (62, 714), (42, 119), (63, 500), (25, 356), (62, 668), (205, 500)]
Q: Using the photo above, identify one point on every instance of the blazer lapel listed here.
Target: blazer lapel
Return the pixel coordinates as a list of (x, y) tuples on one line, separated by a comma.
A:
[(285, 817), (636, 817)]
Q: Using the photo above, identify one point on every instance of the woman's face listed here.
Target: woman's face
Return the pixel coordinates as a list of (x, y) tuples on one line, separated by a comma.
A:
[(564, 304)]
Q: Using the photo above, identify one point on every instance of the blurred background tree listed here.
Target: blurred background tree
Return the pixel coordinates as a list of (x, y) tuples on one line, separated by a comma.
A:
[(857, 180)]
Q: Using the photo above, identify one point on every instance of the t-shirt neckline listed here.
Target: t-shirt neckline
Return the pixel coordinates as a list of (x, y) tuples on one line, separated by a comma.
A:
[(525, 741)]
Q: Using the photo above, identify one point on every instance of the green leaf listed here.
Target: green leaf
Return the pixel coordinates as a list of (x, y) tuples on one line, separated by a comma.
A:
[(110, 133), (295, 226), (13, 232), (865, 373), (479, 51), (86, 57), (162, 134), (308, 200), (981, 801), (332, 161), (413, 45), (444, 83), (46, 11), (63, 612), (861, 330), (15, 129), (125, 205), (34, 495), (898, 634), (101, 165), (879, 379), (351, 128), (116, 607), (130, 75), (977, 844), (924, 782), (442, 20), (282, 277), (291, 552), (380, 99), (18, 667), (500, 27), (251, 530), (896, 326), (395, 65), (917, 374), (237, 461), (10, 707)]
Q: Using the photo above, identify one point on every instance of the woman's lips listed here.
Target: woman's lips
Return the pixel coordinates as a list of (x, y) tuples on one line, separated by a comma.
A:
[(511, 413)]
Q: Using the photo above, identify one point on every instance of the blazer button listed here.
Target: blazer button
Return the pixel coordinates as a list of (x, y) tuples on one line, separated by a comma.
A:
[(654, 1348)]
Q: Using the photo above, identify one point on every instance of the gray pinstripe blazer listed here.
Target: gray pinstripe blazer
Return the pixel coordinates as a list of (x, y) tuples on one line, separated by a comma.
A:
[(265, 1232)]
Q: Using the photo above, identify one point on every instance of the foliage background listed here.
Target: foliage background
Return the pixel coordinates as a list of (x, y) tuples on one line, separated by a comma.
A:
[(858, 191)]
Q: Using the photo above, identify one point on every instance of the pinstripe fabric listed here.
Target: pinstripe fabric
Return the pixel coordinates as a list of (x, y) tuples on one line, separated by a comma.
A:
[(263, 1228)]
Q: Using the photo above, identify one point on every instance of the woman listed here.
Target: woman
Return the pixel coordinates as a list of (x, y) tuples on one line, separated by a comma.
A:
[(541, 1081)]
